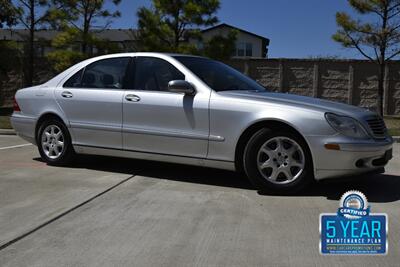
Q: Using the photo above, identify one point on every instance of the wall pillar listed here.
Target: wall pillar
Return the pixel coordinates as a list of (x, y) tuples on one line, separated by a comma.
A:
[(316, 81), (350, 95), (386, 91), (246, 67), (281, 77)]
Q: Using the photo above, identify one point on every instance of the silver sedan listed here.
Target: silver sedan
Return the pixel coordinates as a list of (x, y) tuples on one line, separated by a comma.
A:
[(193, 110)]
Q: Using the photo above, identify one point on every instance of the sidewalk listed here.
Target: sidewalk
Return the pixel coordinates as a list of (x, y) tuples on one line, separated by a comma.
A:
[(7, 132)]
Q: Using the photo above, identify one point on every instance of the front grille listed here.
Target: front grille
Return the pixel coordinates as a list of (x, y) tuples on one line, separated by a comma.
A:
[(377, 127)]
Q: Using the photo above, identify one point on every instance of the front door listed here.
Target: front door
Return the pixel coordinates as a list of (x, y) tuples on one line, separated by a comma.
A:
[(92, 102), (162, 122)]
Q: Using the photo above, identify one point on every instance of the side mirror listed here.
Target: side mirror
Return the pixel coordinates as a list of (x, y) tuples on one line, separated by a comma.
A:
[(181, 86)]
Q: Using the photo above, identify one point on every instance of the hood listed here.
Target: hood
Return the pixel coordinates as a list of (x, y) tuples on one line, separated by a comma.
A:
[(300, 101)]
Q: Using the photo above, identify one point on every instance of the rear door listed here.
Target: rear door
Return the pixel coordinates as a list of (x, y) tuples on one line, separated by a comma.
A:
[(92, 101)]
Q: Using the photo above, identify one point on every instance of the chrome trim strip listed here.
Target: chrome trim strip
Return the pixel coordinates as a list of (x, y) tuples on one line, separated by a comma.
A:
[(156, 132), (173, 134), (24, 118), (101, 127), (217, 138)]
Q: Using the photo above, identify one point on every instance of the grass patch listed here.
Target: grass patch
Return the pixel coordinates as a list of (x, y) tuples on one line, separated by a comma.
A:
[(5, 122), (393, 125)]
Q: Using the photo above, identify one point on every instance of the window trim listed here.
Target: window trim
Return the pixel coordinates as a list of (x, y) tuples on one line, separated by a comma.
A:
[(80, 79), (124, 84), (133, 79)]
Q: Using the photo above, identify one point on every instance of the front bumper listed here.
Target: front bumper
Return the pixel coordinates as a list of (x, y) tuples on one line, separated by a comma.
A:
[(352, 158)]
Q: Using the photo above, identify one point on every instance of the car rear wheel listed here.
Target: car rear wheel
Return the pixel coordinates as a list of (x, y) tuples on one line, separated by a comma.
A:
[(278, 161), (54, 143)]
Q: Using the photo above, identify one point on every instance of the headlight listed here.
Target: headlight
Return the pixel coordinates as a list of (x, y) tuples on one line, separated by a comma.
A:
[(346, 125)]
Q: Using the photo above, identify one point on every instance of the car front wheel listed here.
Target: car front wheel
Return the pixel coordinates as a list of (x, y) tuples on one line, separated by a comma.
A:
[(278, 161), (54, 143)]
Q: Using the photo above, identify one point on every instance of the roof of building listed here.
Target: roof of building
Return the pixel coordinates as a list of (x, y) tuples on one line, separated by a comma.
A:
[(115, 35), (238, 29)]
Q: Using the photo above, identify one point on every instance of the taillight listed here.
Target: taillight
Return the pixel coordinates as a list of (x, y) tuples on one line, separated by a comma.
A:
[(15, 105)]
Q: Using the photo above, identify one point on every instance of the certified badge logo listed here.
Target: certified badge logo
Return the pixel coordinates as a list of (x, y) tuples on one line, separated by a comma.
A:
[(353, 229), (353, 205)]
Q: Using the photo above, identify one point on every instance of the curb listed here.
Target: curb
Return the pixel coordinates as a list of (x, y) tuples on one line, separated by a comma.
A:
[(396, 139), (7, 132)]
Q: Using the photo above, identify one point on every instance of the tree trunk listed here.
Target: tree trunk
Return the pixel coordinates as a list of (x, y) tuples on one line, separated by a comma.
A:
[(84, 41), (31, 48), (85, 34), (382, 61), (381, 79)]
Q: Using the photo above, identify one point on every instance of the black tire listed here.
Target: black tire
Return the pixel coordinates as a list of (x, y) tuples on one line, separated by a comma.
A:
[(255, 176), (67, 153)]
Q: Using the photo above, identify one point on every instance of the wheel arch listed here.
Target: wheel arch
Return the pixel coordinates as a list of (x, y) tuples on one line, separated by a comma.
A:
[(272, 124), (44, 117)]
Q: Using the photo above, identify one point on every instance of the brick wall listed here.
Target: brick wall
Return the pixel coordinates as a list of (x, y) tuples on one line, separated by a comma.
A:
[(349, 81), (14, 81)]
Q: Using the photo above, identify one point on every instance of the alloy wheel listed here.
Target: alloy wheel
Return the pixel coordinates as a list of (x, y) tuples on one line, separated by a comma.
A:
[(281, 160), (52, 141)]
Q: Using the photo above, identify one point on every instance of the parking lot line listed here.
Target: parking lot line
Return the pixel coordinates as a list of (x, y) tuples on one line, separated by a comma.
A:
[(8, 147)]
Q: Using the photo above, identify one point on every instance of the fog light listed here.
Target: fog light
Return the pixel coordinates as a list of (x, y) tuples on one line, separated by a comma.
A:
[(359, 163)]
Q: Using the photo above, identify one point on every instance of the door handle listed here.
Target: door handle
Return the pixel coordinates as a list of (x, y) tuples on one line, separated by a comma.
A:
[(66, 94), (132, 98)]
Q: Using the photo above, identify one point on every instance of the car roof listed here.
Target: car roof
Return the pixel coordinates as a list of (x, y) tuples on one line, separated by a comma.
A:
[(131, 54), (55, 80)]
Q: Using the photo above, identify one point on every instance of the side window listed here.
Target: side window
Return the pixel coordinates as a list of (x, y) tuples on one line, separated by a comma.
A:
[(106, 73), (75, 80), (154, 74)]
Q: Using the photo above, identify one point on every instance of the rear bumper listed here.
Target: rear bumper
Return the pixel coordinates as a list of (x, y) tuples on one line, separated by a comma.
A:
[(24, 126), (354, 157)]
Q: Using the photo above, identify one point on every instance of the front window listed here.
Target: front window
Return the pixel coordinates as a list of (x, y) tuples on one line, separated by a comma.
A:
[(154, 74), (219, 76)]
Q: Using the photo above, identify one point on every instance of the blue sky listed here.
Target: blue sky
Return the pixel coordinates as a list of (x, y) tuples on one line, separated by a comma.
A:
[(297, 29)]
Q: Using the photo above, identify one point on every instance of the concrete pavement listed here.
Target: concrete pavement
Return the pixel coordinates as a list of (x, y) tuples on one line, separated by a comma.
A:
[(118, 212)]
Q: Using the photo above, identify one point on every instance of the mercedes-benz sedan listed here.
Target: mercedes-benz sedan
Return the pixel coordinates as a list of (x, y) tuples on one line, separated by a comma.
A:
[(194, 110)]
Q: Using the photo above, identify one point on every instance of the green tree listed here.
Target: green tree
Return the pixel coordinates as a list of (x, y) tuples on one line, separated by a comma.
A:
[(67, 50), (377, 38), (168, 25), (76, 21), (83, 16), (221, 47), (8, 13), (31, 14)]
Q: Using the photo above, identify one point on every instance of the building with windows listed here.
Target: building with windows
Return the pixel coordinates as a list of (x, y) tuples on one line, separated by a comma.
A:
[(123, 38), (248, 45)]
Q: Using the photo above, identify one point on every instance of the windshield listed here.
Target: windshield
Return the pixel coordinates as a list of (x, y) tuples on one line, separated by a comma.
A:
[(219, 76)]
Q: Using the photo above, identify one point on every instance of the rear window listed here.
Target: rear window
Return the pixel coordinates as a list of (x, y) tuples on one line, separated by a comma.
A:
[(105, 73), (75, 80)]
